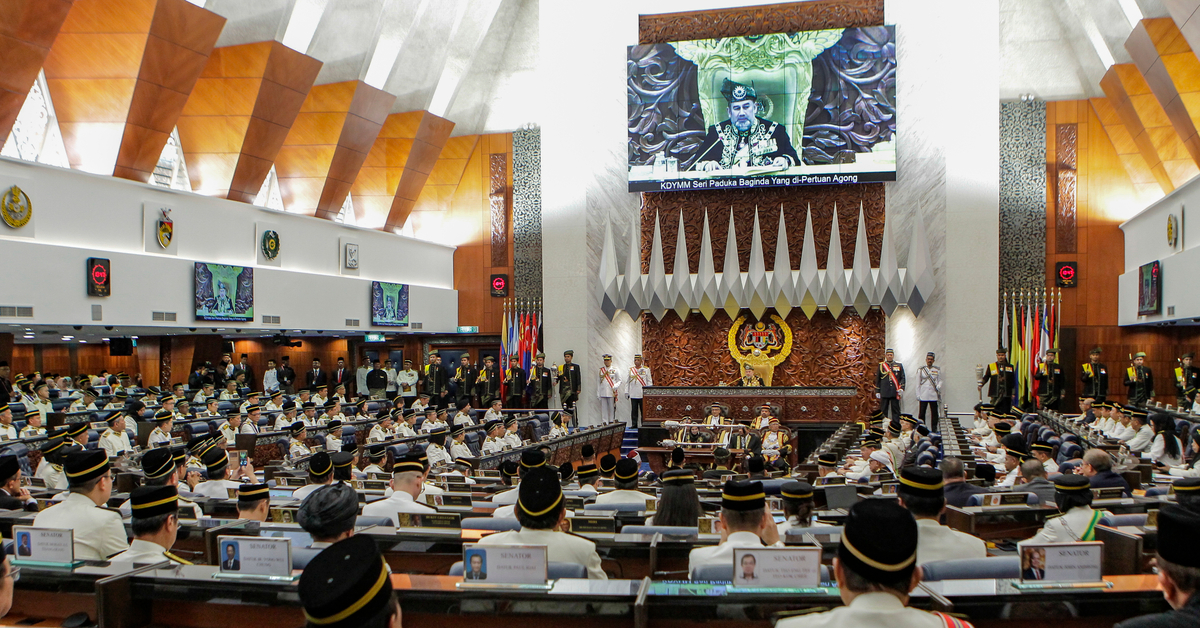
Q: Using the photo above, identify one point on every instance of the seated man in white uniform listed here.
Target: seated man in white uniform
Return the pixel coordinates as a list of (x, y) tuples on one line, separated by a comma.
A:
[(297, 447), (218, 483), (921, 491), (625, 478), (98, 532), (155, 524), (162, 469), (876, 569), (407, 477), (320, 474), (115, 440), (589, 475), (745, 522), (530, 460), (1042, 451), (458, 442), (541, 511)]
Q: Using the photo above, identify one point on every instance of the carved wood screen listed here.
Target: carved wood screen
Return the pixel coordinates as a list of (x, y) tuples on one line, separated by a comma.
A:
[(825, 352)]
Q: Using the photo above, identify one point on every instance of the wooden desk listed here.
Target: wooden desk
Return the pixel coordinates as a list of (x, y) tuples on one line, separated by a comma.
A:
[(800, 404), (660, 457)]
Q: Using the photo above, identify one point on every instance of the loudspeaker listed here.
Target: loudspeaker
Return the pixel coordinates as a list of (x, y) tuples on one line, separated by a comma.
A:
[(120, 346)]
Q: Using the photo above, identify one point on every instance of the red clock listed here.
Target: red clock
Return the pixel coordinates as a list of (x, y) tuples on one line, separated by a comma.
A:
[(99, 277), (499, 285)]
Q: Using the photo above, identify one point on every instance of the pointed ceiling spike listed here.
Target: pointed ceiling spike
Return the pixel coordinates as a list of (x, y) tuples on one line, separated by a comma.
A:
[(706, 279), (887, 285), (609, 284), (681, 276), (632, 290), (730, 286), (782, 286), (656, 288), (808, 288), (757, 294), (920, 268), (834, 288), (861, 286)]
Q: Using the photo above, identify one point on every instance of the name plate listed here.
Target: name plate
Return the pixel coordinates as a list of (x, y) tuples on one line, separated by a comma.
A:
[(255, 556), (98, 425), (1004, 499), (1151, 519), (370, 485), (488, 473), (1109, 493), (462, 500), (707, 525), (504, 564), (830, 480), (595, 525), (374, 475), (794, 568), (889, 488), (451, 521), (44, 545), (573, 503), (34, 482), (1062, 562), (283, 515), (294, 481)]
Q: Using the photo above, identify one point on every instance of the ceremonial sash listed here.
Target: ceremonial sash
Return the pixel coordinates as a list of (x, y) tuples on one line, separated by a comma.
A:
[(891, 375), (1132, 373), (1087, 369), (1179, 376), (638, 375), (995, 369), (1089, 533), (608, 379)]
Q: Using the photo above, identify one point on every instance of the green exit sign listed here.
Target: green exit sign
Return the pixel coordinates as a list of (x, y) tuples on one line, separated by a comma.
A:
[(374, 338), (473, 329)]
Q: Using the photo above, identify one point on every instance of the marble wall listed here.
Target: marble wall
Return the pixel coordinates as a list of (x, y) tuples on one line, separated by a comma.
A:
[(527, 214), (1023, 196)]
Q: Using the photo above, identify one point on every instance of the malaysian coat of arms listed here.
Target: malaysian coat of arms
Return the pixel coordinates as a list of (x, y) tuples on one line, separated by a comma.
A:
[(165, 229), (762, 344)]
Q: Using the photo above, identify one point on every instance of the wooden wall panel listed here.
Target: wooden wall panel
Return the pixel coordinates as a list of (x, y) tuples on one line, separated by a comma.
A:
[(1170, 67), (770, 18), (327, 145), (1145, 183), (397, 167), (1149, 125), (27, 30), (428, 140), (239, 113)]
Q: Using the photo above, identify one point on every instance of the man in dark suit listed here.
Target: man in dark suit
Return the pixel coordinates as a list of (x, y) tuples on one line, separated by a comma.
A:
[(287, 376), (340, 375), (957, 490), (1097, 467), (740, 438), (231, 563), (315, 377), (1035, 567), (243, 366), (196, 379), (23, 548), (12, 495), (476, 572), (721, 457)]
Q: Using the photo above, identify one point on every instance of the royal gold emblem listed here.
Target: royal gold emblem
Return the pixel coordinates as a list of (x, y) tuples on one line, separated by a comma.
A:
[(763, 345), (16, 208)]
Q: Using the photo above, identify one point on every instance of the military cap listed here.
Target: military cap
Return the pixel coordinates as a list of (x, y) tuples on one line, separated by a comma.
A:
[(158, 462), (540, 355), (540, 492), (879, 541), (930, 355), (637, 355), (625, 469), (1140, 354), (678, 477), (921, 482), (796, 492), (606, 356), (743, 495), (83, 466), (1178, 543)]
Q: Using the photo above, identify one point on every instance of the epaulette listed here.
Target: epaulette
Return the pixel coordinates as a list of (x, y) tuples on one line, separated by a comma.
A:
[(176, 558), (112, 510)]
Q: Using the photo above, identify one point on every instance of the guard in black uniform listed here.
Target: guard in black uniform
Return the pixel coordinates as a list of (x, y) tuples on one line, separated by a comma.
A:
[(889, 385), (1050, 381), (1001, 379), (570, 382), (541, 384), (1094, 376), (1139, 381), (487, 384), (1187, 377), (514, 384), (434, 382), (1178, 560), (464, 377)]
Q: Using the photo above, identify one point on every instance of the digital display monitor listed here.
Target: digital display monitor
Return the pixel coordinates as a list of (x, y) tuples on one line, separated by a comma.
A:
[(1150, 289), (389, 304), (224, 293), (806, 108)]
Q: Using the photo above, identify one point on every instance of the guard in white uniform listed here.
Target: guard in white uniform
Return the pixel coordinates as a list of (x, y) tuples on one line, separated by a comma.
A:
[(747, 521), (609, 382), (626, 480), (407, 476), (540, 509), (98, 532), (148, 502), (1073, 496), (115, 440), (639, 378), (922, 492)]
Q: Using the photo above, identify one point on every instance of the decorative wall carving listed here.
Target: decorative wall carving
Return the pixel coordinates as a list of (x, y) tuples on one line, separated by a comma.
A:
[(1022, 196), (527, 214), (164, 362), (1065, 151), (772, 18), (825, 352), (795, 201), (498, 199)]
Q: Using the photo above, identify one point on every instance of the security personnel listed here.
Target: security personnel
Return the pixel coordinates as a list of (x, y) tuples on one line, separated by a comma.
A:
[(434, 380), (639, 378), (162, 431), (1050, 381), (541, 384), (514, 384), (487, 383), (98, 532), (1187, 378), (570, 382), (607, 385), (876, 570), (155, 524), (889, 384), (115, 440), (922, 492), (1001, 380), (348, 584), (297, 448), (1094, 376), (1139, 381), (541, 513), (464, 378), (1073, 496)]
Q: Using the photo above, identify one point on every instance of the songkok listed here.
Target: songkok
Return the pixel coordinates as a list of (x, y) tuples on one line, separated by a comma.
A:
[(167, 415), (540, 492), (894, 428), (678, 477), (908, 418), (1177, 539), (796, 492), (329, 507), (509, 468), (341, 459), (288, 405), (879, 541), (921, 482), (626, 469), (329, 403), (411, 462), (871, 442), (922, 430), (320, 464), (756, 464), (83, 466), (377, 451), (588, 471), (587, 451), (458, 429), (1185, 485), (1002, 428), (512, 420), (250, 493), (1042, 446), (465, 462), (158, 462), (1140, 413), (53, 444), (743, 496), (608, 464), (8, 467), (827, 460), (1072, 484), (215, 461), (567, 471), (677, 456), (490, 425), (533, 458), (297, 427), (75, 429), (178, 455), (333, 425), (308, 405)]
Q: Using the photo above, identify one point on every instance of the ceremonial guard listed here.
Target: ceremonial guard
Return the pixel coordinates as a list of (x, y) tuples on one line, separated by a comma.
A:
[(487, 384), (1187, 378), (434, 381), (541, 384), (514, 384), (1050, 381), (889, 385), (1139, 381), (929, 391), (1094, 376), (406, 381), (639, 378), (464, 377), (1001, 379), (570, 382), (606, 389)]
